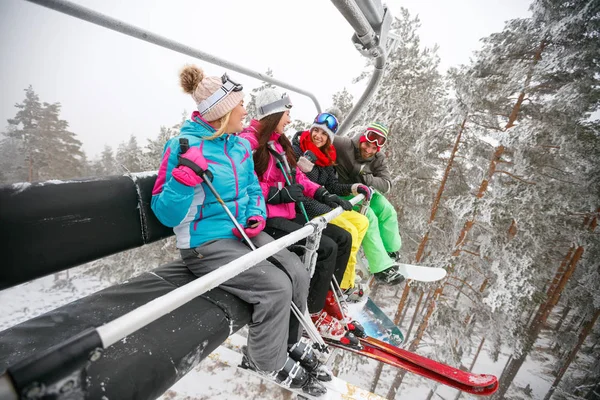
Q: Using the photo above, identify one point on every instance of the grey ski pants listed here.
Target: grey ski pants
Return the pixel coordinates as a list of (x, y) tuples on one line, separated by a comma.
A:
[(269, 286)]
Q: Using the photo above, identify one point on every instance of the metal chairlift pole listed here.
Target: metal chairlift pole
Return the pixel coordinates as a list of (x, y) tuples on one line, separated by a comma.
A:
[(366, 17)]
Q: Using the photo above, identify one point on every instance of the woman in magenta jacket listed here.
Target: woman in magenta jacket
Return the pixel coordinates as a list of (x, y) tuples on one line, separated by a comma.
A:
[(282, 199)]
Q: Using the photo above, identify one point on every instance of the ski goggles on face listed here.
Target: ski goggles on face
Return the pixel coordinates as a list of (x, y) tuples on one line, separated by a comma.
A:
[(375, 137), (329, 120), (227, 87), (284, 102)]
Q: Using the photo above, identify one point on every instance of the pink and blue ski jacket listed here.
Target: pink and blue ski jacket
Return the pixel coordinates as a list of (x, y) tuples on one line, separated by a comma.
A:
[(274, 177), (194, 213)]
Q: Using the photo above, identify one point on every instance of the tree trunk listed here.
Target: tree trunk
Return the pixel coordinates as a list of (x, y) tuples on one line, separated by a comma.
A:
[(404, 313), (517, 107), (438, 196), (430, 394), (587, 328), (562, 318), (415, 314), (538, 322), (376, 377)]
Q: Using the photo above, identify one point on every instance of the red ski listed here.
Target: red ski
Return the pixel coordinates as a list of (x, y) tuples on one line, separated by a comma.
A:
[(482, 385)]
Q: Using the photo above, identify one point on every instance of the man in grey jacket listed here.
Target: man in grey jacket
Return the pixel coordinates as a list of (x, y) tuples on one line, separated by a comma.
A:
[(361, 162)]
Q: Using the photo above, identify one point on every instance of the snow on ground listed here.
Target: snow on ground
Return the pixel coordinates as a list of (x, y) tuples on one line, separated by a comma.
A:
[(207, 381)]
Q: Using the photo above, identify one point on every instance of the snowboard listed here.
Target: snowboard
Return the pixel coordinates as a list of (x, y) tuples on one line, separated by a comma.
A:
[(420, 273), (409, 271), (375, 322)]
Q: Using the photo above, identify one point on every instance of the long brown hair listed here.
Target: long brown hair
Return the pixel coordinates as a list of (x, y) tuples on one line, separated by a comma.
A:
[(261, 154)]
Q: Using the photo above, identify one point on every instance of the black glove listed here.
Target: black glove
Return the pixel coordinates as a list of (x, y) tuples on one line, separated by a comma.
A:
[(289, 194), (331, 200)]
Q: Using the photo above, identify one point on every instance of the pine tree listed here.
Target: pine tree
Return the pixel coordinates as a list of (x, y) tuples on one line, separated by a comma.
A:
[(51, 150), (153, 151), (129, 155), (342, 100)]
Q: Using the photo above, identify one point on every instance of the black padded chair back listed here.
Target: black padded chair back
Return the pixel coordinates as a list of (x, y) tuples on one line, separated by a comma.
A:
[(52, 226)]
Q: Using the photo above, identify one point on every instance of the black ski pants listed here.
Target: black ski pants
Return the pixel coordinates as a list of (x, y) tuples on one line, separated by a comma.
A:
[(332, 256)]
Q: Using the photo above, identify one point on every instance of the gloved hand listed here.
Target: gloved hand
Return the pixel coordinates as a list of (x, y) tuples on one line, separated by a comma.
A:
[(305, 164), (254, 226), (186, 175), (363, 189), (331, 200), (289, 194)]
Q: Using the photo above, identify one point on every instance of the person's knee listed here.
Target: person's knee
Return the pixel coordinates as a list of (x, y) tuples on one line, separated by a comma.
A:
[(280, 284), (388, 213), (327, 247)]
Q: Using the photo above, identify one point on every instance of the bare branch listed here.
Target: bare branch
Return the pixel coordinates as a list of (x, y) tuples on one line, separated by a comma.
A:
[(514, 177)]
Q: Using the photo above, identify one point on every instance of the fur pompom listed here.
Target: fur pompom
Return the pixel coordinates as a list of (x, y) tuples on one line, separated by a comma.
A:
[(190, 77)]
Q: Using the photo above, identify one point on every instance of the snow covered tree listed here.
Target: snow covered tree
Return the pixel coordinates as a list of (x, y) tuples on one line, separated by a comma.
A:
[(51, 150), (12, 162), (107, 165), (128, 155), (342, 100), (152, 154)]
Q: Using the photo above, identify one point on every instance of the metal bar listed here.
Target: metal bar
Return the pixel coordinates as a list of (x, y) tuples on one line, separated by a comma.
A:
[(125, 325), (375, 47), (373, 12), (357, 20), (77, 11)]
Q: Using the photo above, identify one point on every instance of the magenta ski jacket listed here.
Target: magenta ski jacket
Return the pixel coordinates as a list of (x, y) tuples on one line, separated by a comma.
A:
[(274, 177)]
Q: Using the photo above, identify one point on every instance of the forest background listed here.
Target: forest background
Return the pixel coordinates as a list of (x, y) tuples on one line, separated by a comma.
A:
[(496, 178)]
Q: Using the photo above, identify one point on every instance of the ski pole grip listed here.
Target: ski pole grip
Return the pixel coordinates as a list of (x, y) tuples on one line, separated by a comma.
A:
[(184, 145), (40, 372)]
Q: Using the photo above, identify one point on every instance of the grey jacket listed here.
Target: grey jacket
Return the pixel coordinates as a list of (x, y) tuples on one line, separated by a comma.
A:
[(352, 168)]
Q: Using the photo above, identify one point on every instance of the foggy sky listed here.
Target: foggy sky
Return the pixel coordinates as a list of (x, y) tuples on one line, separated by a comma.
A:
[(111, 85)]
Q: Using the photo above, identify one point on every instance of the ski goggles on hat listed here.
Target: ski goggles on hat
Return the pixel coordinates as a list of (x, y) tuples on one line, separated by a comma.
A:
[(284, 102), (375, 137), (227, 87), (329, 120)]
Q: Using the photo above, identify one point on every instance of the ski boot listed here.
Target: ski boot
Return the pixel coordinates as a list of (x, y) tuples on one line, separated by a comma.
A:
[(340, 312), (390, 276), (394, 255), (305, 355), (332, 329), (355, 294), (292, 375)]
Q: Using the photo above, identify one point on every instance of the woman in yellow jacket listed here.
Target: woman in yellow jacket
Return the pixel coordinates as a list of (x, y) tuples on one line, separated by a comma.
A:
[(316, 158)]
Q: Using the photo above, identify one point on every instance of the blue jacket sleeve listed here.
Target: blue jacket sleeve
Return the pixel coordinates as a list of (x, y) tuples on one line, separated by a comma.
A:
[(171, 200), (256, 200)]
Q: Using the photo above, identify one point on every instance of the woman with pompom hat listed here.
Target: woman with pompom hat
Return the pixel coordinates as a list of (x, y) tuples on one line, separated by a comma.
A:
[(207, 238)]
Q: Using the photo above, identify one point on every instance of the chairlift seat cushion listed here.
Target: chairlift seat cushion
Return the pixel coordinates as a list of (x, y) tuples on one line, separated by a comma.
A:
[(145, 364)]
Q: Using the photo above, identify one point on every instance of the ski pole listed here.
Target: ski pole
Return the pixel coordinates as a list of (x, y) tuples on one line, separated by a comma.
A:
[(287, 174), (184, 146)]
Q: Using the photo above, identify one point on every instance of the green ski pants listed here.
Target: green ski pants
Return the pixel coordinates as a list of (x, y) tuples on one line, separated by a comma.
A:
[(383, 235)]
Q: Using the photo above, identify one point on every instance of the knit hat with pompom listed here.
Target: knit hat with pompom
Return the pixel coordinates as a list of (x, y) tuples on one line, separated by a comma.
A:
[(194, 82)]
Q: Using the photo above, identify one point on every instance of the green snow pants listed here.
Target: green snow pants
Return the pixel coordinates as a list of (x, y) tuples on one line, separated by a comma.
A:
[(383, 235)]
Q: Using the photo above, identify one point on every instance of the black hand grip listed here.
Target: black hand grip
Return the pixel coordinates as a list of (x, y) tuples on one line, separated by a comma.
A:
[(184, 145)]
